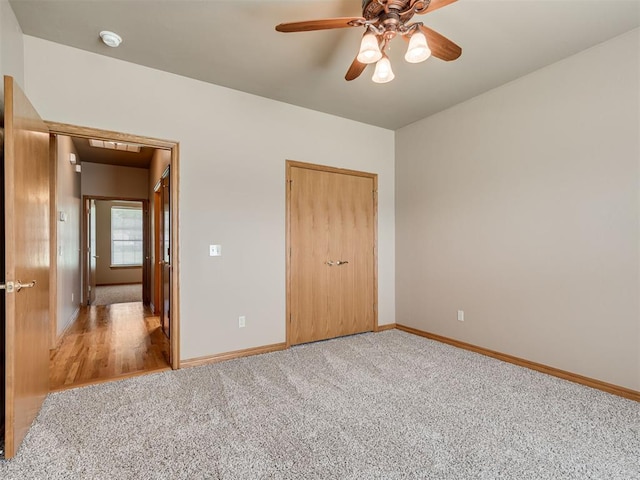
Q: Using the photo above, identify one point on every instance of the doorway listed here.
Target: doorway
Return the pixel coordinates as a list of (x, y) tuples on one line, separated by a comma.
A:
[(110, 315), (116, 243), (332, 257)]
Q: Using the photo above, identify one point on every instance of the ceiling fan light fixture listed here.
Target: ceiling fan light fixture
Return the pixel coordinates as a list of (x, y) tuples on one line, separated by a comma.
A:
[(418, 50), (369, 49), (383, 72)]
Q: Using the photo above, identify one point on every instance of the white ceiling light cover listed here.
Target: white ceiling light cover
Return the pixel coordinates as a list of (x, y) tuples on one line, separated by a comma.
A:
[(110, 39)]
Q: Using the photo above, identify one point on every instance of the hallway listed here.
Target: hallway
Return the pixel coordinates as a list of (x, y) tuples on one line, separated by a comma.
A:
[(109, 342)]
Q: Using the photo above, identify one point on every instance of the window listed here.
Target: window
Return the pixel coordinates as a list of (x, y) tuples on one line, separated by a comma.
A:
[(126, 236)]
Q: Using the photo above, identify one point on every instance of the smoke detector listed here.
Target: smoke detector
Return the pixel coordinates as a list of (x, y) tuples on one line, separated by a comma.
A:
[(110, 39)]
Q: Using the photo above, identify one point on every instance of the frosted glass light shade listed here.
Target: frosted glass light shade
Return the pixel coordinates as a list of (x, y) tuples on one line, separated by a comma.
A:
[(418, 50), (369, 49), (383, 72)]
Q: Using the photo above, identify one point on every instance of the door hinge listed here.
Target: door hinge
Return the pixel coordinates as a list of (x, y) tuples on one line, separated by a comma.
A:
[(9, 287)]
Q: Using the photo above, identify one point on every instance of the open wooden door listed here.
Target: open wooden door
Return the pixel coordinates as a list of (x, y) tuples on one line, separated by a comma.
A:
[(166, 253), (92, 257), (146, 255), (26, 272)]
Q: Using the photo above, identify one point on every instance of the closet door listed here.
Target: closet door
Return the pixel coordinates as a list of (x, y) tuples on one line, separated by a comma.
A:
[(331, 283)]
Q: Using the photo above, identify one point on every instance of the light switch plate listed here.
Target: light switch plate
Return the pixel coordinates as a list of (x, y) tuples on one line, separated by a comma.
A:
[(215, 250)]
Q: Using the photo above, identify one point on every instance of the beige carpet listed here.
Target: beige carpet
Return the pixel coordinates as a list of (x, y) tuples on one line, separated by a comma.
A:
[(108, 294), (376, 406)]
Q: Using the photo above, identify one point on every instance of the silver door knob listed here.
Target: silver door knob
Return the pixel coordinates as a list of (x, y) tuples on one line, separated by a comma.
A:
[(342, 262)]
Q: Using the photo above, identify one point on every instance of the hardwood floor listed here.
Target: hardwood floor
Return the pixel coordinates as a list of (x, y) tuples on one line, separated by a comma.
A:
[(109, 342)]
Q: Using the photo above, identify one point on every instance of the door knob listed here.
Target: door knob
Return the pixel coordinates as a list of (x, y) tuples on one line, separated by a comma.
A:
[(342, 262)]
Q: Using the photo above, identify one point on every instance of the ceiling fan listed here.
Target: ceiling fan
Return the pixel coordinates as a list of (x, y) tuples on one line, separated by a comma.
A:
[(383, 21)]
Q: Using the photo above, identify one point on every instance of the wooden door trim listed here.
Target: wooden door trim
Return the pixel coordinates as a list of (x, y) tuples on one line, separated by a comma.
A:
[(58, 128), (53, 245), (289, 165), (9, 366), (325, 168), (99, 134)]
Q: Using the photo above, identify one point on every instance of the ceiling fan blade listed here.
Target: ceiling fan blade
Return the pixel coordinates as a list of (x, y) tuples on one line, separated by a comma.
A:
[(436, 4), (440, 46), (324, 24), (355, 70)]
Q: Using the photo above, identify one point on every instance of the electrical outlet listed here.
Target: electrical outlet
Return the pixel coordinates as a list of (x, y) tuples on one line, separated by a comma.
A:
[(242, 321), (461, 315), (215, 250)]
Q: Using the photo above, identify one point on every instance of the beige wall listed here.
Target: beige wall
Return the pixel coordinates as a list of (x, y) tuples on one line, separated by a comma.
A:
[(233, 148), (113, 181), (68, 234), (11, 48), (105, 274), (521, 207), (159, 163)]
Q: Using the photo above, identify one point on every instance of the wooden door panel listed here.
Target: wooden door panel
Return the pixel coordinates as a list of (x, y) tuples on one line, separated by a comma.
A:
[(93, 251), (146, 255), (26, 194), (166, 254), (353, 243), (157, 250), (332, 219), (311, 276)]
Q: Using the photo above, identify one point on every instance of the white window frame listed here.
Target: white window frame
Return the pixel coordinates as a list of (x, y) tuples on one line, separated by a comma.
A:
[(112, 241)]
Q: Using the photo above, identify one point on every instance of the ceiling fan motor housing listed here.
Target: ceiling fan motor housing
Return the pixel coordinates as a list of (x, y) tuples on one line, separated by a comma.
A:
[(373, 9)]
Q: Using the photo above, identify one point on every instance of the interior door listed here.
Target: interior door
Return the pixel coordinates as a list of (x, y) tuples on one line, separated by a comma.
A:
[(157, 250), (92, 252), (146, 265), (166, 253), (26, 249), (332, 257)]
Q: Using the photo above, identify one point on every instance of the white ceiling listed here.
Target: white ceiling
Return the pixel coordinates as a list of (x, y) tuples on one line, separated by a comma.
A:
[(233, 43)]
